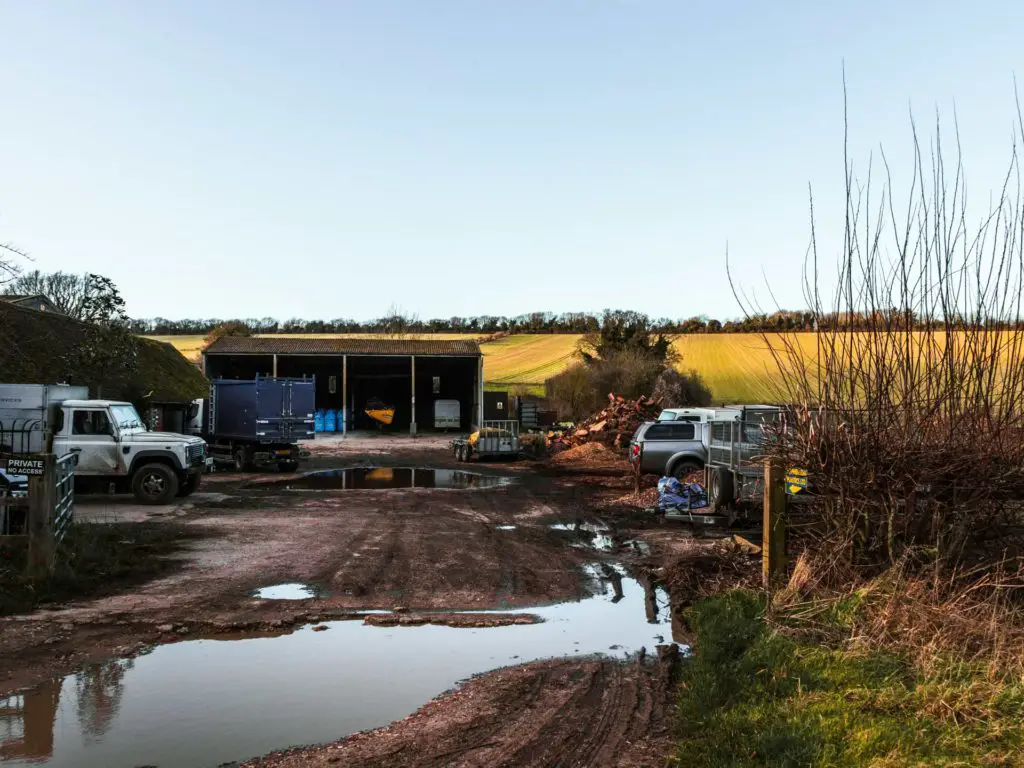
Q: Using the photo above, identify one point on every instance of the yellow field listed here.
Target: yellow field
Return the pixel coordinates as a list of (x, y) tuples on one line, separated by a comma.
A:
[(527, 359), (738, 367)]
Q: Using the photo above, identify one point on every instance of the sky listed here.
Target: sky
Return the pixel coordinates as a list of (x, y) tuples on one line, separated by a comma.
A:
[(338, 159)]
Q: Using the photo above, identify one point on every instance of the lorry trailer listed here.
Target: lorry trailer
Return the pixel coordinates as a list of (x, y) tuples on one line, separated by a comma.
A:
[(257, 423)]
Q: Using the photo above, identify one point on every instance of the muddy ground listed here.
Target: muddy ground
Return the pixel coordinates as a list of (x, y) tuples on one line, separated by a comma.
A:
[(405, 550)]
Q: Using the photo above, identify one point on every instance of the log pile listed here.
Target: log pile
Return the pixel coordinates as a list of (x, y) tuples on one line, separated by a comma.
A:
[(613, 426)]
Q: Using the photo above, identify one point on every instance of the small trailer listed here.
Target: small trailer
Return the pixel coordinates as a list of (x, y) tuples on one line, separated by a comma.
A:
[(257, 423), (734, 472), (494, 439)]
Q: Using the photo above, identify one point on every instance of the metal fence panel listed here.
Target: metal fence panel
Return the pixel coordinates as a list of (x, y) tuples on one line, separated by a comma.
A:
[(64, 507)]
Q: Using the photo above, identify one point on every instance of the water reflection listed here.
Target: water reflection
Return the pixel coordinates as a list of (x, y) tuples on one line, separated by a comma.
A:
[(381, 478), (99, 689), (27, 718), (26, 723), (204, 702)]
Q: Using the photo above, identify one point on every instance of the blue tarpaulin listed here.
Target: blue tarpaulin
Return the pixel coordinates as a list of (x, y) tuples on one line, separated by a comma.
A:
[(674, 494)]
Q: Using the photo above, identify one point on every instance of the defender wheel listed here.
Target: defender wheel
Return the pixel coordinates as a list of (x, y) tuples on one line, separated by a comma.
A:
[(155, 484), (190, 486)]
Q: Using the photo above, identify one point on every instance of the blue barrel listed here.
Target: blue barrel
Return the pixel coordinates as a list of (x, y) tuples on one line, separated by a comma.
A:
[(318, 421), (330, 421), (340, 419)]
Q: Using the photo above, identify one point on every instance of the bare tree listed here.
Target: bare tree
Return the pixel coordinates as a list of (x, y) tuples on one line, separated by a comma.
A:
[(88, 297), (913, 437), (9, 257)]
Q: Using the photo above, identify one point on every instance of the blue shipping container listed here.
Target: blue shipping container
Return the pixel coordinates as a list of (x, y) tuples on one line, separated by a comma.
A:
[(263, 410)]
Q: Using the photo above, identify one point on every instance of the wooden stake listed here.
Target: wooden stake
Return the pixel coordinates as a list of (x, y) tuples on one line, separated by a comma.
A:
[(773, 549), (42, 500)]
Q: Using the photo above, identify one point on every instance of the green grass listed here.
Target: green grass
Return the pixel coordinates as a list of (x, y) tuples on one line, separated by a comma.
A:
[(750, 696), (93, 560)]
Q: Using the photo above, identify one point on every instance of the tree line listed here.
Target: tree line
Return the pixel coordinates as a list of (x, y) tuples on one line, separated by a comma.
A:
[(81, 296), (783, 321)]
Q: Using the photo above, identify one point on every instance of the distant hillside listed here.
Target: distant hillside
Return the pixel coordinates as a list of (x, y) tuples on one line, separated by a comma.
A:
[(738, 367), (38, 347)]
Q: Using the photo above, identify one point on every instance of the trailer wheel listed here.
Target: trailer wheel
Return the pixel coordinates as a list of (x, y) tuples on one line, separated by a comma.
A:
[(241, 460), (288, 466), (720, 495), (460, 453), (155, 484)]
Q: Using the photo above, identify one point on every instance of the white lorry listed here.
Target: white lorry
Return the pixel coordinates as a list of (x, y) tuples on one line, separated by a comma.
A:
[(109, 437)]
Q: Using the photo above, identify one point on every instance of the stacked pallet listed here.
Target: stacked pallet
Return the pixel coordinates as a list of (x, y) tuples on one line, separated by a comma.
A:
[(613, 426)]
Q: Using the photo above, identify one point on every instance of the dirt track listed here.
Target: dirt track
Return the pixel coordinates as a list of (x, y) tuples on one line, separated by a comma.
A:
[(407, 549), (558, 713)]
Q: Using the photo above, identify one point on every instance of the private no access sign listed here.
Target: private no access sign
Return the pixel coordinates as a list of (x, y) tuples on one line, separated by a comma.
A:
[(24, 466)]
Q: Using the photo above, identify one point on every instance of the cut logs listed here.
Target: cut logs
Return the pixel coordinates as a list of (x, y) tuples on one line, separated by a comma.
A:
[(614, 425)]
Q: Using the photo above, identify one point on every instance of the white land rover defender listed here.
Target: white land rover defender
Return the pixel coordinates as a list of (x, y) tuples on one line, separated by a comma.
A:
[(109, 437)]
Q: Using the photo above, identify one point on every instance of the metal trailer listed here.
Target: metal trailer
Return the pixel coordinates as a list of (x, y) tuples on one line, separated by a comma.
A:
[(734, 473), (494, 439), (29, 413), (258, 422)]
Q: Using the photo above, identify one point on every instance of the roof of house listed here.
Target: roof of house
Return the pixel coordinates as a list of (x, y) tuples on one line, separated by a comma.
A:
[(271, 345), (39, 348), (21, 298)]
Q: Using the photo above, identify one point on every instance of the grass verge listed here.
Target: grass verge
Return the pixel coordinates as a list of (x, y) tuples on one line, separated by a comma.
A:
[(93, 560), (754, 696)]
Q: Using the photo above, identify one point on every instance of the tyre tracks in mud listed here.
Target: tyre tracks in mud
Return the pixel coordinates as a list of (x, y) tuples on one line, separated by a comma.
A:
[(590, 712)]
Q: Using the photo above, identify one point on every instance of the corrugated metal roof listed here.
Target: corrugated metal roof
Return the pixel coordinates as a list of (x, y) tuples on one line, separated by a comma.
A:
[(271, 345)]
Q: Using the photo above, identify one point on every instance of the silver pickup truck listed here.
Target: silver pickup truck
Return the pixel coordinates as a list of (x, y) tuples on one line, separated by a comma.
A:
[(674, 448)]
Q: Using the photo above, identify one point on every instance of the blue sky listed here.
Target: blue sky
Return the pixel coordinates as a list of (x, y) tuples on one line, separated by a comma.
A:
[(333, 159)]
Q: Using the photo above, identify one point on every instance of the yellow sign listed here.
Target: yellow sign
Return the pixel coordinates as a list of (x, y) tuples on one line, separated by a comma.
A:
[(796, 481)]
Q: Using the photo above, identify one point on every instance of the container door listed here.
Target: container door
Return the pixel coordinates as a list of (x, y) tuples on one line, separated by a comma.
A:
[(302, 410), (271, 409)]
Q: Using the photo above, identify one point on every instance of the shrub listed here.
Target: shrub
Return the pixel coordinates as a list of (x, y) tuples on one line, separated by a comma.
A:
[(678, 390)]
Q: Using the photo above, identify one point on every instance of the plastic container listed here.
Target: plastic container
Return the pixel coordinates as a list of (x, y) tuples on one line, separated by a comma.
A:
[(318, 421), (330, 421)]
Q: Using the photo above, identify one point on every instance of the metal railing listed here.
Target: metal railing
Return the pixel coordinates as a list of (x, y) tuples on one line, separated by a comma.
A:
[(13, 515), (64, 498)]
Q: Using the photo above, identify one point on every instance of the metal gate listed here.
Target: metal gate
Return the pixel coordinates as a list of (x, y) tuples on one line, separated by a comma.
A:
[(64, 497), (56, 489)]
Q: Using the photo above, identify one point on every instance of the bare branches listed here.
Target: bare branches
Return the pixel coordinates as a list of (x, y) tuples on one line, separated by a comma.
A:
[(909, 408)]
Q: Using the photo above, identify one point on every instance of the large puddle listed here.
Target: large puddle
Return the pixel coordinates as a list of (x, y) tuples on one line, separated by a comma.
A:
[(206, 702), (381, 478)]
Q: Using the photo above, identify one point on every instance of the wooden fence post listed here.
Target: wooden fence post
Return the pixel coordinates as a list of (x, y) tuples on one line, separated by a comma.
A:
[(42, 500), (773, 544)]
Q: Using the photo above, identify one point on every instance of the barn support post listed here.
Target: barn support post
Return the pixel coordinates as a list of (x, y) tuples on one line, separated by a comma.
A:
[(344, 395), (480, 391), (275, 366), (42, 505), (412, 423)]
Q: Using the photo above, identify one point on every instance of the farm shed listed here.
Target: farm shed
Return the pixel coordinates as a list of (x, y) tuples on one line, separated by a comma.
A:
[(409, 374)]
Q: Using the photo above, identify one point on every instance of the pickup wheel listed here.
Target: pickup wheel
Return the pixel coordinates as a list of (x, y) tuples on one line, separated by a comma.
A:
[(720, 495), (155, 484), (190, 485), (684, 468)]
